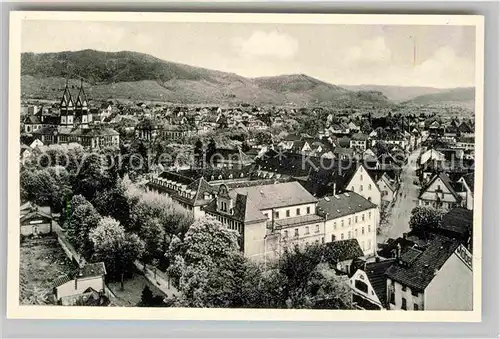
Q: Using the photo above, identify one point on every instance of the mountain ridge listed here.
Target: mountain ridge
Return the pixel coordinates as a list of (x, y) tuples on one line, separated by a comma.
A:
[(140, 76)]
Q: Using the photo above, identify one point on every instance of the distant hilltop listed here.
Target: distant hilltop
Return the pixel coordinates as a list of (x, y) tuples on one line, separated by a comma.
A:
[(138, 76)]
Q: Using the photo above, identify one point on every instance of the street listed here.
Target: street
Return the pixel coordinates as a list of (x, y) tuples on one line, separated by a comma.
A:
[(399, 215)]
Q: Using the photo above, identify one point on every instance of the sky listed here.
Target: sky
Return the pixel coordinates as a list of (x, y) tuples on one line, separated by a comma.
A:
[(430, 56)]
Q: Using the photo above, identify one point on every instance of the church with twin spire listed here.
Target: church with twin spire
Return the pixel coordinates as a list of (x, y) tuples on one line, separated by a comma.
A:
[(71, 123)]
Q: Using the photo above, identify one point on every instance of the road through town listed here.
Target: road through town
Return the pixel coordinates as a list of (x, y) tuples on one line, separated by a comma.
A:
[(399, 215)]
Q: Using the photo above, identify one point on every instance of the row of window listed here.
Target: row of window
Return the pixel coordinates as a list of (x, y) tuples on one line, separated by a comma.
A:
[(306, 232), (288, 214), (361, 187), (356, 220), (231, 224)]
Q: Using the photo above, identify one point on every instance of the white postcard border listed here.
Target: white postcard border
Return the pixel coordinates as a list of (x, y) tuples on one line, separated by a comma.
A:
[(17, 311)]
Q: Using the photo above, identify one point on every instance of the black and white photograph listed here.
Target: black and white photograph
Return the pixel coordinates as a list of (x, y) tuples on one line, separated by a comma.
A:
[(164, 163)]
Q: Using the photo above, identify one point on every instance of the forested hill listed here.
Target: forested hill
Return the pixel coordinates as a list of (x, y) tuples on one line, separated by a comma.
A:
[(137, 76)]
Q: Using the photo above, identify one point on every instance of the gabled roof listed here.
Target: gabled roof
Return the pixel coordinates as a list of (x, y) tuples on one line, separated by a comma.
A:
[(375, 272), (446, 181), (359, 137), (341, 250), (469, 180), (61, 280), (459, 220), (32, 120), (34, 214), (419, 273)]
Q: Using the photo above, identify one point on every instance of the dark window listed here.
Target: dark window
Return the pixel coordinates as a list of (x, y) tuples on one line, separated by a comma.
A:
[(277, 215), (296, 232), (403, 288), (403, 303), (298, 211), (361, 286), (287, 213), (414, 293), (308, 210), (392, 298), (333, 237), (415, 307)]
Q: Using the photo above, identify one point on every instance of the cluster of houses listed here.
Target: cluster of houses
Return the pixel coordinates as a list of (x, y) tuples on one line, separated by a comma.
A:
[(70, 121), (325, 189), (446, 173)]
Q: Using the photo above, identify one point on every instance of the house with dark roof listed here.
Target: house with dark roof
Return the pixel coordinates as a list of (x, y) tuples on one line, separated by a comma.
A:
[(437, 277), (341, 254), (457, 224), (92, 275), (443, 193), (350, 216), (369, 285)]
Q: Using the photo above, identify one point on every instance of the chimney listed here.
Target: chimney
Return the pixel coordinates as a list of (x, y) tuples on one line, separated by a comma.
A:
[(405, 236), (398, 251), (377, 259)]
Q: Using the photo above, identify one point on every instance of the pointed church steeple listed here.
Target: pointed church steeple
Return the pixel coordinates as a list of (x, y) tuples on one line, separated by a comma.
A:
[(66, 100), (81, 100)]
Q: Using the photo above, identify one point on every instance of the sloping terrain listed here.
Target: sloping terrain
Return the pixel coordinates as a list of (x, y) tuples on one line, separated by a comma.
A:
[(137, 76)]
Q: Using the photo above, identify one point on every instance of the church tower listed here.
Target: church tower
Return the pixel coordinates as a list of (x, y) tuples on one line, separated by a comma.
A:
[(82, 113), (67, 108)]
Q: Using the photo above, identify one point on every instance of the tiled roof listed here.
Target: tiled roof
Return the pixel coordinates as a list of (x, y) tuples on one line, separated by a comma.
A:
[(277, 195), (446, 181), (459, 220), (61, 280), (359, 137), (375, 272), (32, 119), (341, 250), (420, 272), (340, 205)]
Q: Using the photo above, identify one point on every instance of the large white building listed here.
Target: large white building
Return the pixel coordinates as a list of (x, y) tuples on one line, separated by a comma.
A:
[(269, 217)]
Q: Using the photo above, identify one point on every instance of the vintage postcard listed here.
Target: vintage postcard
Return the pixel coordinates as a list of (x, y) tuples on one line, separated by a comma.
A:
[(245, 166)]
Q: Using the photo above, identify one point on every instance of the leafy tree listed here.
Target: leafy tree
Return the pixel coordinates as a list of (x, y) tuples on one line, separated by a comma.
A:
[(146, 296), (116, 248), (154, 237), (82, 220), (114, 203), (173, 217), (198, 152), (425, 219), (93, 177), (45, 187), (202, 262), (211, 150), (380, 148)]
